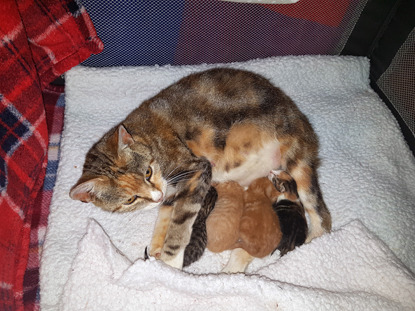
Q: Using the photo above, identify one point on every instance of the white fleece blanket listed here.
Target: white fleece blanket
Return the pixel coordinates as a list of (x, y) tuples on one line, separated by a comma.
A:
[(367, 177)]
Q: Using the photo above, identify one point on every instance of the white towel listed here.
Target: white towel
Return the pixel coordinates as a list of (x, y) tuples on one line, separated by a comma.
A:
[(360, 275), (367, 173)]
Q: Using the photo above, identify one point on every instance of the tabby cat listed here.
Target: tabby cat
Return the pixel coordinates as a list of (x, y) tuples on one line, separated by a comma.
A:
[(253, 222), (217, 125)]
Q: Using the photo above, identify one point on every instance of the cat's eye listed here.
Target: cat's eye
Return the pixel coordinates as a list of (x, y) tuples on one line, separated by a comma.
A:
[(131, 200), (149, 172)]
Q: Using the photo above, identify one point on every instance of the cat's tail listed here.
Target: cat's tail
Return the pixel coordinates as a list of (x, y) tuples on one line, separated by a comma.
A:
[(198, 240), (293, 225)]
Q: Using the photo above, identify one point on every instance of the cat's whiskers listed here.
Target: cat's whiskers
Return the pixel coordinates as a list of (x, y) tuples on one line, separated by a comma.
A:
[(180, 178), (181, 175), (174, 183), (171, 172)]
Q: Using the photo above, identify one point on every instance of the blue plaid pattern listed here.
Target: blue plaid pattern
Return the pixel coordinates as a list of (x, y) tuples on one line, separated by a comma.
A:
[(14, 129)]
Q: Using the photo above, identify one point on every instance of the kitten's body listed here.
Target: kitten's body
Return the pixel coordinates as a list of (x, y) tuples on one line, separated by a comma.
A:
[(217, 125), (244, 219), (290, 211), (250, 226), (223, 223)]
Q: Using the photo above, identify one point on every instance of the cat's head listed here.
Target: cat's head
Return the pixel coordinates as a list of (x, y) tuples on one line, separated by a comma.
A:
[(120, 175)]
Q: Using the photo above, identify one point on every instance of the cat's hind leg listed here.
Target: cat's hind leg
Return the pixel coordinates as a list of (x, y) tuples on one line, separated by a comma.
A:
[(239, 260), (312, 199)]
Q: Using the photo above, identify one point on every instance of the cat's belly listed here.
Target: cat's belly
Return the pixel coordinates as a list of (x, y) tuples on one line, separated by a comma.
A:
[(256, 164)]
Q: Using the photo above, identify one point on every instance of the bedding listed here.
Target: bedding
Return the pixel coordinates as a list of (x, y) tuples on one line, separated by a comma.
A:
[(94, 260)]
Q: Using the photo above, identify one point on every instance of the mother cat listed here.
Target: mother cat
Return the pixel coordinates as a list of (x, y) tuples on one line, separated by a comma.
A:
[(217, 125)]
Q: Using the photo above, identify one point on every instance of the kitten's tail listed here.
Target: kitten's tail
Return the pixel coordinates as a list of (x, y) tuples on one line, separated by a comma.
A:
[(293, 225), (198, 240)]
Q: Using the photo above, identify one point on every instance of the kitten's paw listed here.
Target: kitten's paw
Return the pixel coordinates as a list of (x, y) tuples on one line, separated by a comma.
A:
[(175, 262)]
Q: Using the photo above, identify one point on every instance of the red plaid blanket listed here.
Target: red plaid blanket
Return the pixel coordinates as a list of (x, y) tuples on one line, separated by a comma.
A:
[(54, 102), (40, 39)]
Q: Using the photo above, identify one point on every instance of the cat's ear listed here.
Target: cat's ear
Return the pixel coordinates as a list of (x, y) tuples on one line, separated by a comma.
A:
[(85, 191), (119, 140), (124, 138)]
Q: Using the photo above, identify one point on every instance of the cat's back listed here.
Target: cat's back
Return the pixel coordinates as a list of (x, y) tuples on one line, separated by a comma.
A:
[(217, 94)]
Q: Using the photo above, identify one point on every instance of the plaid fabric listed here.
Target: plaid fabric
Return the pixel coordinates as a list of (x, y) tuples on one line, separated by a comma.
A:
[(40, 39), (54, 102)]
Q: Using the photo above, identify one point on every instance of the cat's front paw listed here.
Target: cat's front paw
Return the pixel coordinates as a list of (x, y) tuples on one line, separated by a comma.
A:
[(155, 252), (156, 247), (314, 233), (176, 261)]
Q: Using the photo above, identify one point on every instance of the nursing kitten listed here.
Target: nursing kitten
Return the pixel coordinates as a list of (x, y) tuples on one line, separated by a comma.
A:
[(218, 125), (245, 221), (290, 211), (223, 223)]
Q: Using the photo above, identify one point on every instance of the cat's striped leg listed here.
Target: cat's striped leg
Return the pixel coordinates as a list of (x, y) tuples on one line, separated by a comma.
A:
[(186, 205), (310, 195), (179, 233)]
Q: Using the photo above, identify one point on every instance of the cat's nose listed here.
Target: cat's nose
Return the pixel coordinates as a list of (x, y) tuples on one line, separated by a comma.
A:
[(157, 196)]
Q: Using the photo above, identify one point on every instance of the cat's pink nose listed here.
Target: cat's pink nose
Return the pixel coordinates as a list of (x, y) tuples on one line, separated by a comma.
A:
[(157, 196)]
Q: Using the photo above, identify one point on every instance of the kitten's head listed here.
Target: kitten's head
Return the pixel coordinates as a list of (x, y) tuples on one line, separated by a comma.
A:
[(120, 175), (263, 186), (285, 184)]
